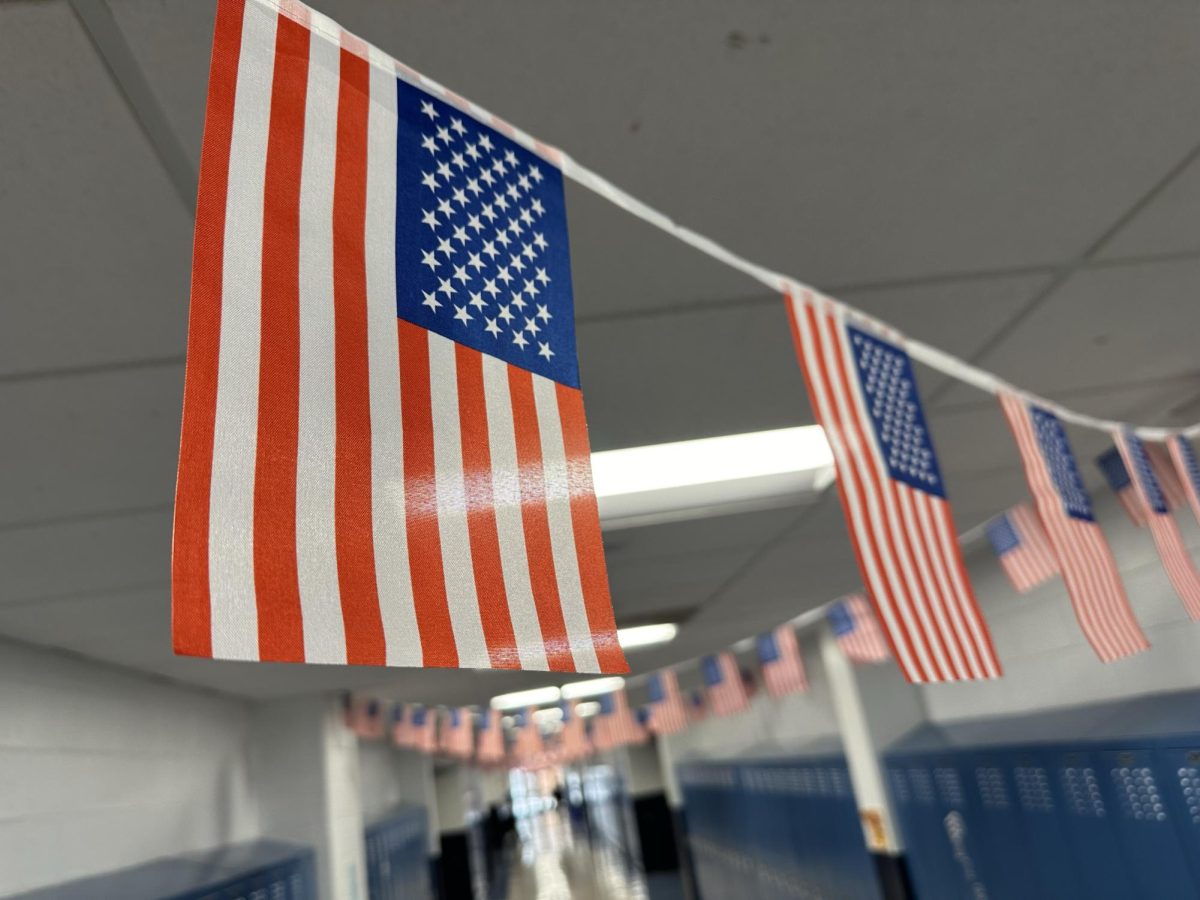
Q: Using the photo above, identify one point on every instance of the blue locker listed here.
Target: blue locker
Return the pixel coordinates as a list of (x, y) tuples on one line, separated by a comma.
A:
[(1180, 780), (1046, 842), (999, 828), (1144, 824)]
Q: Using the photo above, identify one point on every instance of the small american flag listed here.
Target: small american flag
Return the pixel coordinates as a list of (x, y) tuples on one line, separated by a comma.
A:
[(490, 747), (1188, 469), (384, 457), (864, 392), (1113, 468), (1023, 549), (529, 750), (782, 667), (457, 734), (667, 712), (401, 736), (615, 725), (1065, 510), (1175, 557), (724, 684), (366, 718), (422, 729), (856, 630), (573, 737)]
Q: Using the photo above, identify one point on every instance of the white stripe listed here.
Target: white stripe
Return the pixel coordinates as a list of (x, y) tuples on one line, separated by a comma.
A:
[(235, 430), (316, 554), (457, 565), (393, 577), (510, 528), (562, 534), (857, 510)]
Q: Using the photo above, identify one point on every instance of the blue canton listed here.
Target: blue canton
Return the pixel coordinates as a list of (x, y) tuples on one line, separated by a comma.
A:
[(711, 670), (418, 716), (481, 239), (840, 619), (1002, 535), (1110, 463), (1189, 462), (1145, 475), (889, 389), (1056, 451), (654, 689), (607, 705), (767, 650)]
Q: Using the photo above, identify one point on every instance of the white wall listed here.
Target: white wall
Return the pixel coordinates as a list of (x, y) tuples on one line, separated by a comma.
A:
[(1046, 661), (101, 769)]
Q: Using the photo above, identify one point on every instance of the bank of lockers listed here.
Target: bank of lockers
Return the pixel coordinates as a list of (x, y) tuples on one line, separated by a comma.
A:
[(776, 829), (398, 856), (1096, 802), (255, 870)]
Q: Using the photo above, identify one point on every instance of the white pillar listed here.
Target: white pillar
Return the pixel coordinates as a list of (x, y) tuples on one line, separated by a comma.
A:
[(306, 770)]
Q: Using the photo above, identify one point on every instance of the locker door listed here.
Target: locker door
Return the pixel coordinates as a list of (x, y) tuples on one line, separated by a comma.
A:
[(1084, 813), (1145, 825), (1049, 852), (930, 824), (961, 825), (1004, 852), (1180, 781)]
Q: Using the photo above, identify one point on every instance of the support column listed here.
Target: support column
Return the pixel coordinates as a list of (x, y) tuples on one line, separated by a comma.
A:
[(868, 721), (307, 772)]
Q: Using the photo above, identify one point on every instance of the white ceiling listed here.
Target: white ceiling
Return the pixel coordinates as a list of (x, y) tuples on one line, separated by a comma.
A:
[(1017, 183)]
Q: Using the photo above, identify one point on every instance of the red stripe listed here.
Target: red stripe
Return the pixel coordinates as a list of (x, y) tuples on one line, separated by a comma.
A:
[(537, 527), (421, 500), (365, 643), (845, 468), (276, 582), (585, 521), (481, 512), (191, 614)]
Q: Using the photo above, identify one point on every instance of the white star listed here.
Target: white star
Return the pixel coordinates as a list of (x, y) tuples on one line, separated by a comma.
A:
[(502, 274), (523, 181), (537, 206), (544, 350), (512, 191), (457, 126), (429, 217), (492, 328), (475, 262), (460, 313), (510, 157), (505, 314), (472, 151), (429, 180), (500, 201), (427, 109), (540, 240), (518, 301), (514, 226), (516, 262), (487, 177), (445, 208), (542, 276), (473, 186), (474, 223), (489, 247), (444, 170), (487, 212), (428, 259), (460, 196), (531, 288), (543, 313), (445, 287), (460, 273), (528, 251), (428, 143), (519, 340), (458, 160), (485, 142), (499, 167), (532, 326), (444, 246), (503, 238), (477, 301), (444, 136), (431, 300), (490, 288), (460, 234), (535, 173), (526, 217)]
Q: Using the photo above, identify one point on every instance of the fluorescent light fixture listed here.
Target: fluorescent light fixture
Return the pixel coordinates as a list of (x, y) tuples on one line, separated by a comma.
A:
[(587, 708), (646, 635), (521, 699), (592, 688), (710, 476)]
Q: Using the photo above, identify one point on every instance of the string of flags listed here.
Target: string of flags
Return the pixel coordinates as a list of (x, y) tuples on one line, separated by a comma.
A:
[(384, 456)]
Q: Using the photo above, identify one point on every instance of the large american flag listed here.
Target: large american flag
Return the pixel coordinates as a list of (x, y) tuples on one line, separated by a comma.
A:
[(1065, 509), (1175, 557), (668, 715), (864, 392), (1183, 454), (1022, 547), (723, 684), (856, 630), (384, 458), (779, 657), (489, 749)]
